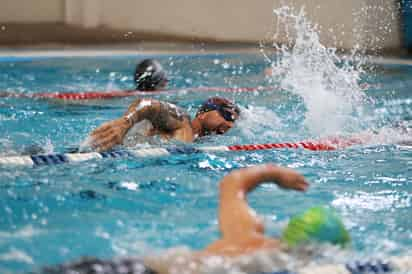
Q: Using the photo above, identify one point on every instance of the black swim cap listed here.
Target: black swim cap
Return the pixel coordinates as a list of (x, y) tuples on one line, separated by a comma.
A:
[(149, 75)]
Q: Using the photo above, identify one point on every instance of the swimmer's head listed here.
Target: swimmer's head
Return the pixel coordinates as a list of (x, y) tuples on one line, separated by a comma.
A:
[(217, 115), (318, 224), (149, 76)]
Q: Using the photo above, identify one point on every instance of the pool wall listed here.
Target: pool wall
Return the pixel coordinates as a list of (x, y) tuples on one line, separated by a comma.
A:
[(369, 23), (407, 23)]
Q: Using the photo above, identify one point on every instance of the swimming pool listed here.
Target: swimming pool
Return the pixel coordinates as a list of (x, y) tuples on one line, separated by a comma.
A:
[(128, 206)]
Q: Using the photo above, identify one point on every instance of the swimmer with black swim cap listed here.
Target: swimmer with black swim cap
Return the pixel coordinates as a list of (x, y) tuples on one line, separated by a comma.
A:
[(241, 230), (149, 117), (150, 76)]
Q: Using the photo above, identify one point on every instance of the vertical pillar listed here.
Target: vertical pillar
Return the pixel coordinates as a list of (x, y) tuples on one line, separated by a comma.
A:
[(91, 13), (406, 24), (70, 12), (85, 13)]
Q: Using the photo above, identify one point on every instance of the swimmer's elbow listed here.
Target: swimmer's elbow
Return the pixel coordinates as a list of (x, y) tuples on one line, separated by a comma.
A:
[(232, 182), (151, 109), (142, 109)]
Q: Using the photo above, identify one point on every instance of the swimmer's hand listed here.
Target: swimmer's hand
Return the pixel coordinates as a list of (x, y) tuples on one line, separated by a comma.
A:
[(289, 179), (109, 134)]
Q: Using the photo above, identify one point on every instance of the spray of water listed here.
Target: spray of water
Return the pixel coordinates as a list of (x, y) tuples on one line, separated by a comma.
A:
[(326, 81), (256, 126)]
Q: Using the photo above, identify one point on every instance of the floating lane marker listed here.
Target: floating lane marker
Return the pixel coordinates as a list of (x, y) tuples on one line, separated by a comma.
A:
[(55, 159), (129, 265), (16, 161), (393, 265), (303, 145), (81, 157), (117, 94)]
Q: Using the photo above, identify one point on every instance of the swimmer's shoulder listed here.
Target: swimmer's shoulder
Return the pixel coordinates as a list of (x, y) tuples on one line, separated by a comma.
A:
[(175, 111)]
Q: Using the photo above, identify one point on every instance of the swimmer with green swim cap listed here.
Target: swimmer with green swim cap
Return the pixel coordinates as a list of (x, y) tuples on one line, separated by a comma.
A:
[(318, 224), (242, 230)]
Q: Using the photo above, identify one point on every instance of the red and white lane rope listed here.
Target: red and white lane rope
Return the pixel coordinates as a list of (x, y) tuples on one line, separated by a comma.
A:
[(106, 95)]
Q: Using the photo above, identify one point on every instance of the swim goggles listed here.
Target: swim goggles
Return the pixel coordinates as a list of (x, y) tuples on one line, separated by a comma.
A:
[(228, 113)]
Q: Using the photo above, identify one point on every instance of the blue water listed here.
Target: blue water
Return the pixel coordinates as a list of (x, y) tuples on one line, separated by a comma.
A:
[(108, 208)]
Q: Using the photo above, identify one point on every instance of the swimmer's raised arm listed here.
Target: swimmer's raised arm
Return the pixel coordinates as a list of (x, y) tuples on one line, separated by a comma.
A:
[(162, 115), (235, 215), (239, 225)]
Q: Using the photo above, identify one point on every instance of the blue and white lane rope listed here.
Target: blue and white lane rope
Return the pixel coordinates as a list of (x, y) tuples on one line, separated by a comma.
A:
[(55, 159), (393, 265)]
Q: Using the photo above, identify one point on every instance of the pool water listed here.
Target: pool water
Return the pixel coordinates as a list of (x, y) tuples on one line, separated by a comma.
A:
[(128, 206)]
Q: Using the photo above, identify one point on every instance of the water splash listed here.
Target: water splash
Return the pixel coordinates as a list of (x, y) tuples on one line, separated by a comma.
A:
[(253, 124), (326, 81)]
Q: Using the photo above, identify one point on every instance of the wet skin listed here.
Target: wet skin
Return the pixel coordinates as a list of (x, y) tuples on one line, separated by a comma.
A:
[(167, 120)]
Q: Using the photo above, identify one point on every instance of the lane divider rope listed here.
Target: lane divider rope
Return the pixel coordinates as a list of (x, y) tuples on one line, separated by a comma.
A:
[(401, 264), (53, 159), (105, 95)]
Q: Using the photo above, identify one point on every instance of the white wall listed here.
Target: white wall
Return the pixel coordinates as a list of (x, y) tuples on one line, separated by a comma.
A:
[(379, 24), (372, 23), (217, 19), (31, 11)]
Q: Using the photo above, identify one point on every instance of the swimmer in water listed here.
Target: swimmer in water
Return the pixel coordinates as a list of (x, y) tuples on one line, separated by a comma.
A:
[(241, 230), (148, 76), (148, 117)]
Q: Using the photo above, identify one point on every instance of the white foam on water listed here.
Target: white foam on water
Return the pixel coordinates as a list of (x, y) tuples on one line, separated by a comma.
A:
[(326, 81), (377, 201), (16, 255), (26, 232), (48, 146), (183, 260), (253, 125)]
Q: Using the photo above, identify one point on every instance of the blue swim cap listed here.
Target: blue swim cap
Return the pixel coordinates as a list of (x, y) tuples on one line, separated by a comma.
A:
[(318, 224)]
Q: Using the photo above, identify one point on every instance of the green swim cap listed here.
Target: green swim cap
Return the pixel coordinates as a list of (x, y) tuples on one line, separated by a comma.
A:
[(318, 224)]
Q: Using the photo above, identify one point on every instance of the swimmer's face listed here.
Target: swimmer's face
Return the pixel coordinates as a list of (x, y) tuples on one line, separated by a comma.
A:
[(213, 122)]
